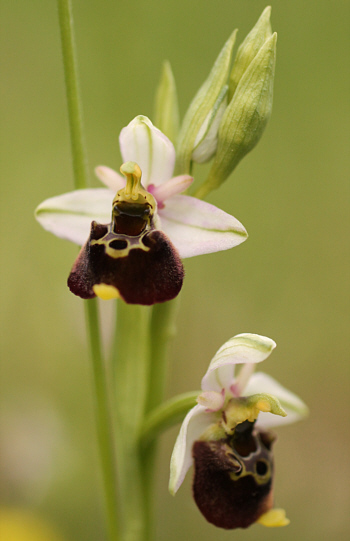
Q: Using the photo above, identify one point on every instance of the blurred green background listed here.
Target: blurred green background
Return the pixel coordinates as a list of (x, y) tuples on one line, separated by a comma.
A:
[(288, 281)]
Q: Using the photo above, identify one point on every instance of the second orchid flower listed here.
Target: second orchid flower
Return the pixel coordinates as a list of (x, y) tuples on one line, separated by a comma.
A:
[(227, 439)]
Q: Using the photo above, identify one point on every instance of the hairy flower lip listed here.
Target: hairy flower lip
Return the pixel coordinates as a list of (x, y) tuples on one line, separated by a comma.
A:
[(147, 272), (233, 477)]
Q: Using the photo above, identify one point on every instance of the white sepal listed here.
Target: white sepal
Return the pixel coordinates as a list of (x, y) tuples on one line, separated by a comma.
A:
[(69, 216), (196, 227)]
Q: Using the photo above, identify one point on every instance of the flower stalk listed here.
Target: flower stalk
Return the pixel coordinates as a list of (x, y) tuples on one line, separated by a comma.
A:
[(103, 418), (162, 330), (75, 112)]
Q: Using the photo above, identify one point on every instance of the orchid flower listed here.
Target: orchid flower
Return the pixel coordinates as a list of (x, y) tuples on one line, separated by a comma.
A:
[(225, 436), (138, 255)]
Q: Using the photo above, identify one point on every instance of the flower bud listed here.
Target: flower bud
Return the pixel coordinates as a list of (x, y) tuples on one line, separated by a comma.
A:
[(246, 116), (201, 111), (250, 48), (166, 108)]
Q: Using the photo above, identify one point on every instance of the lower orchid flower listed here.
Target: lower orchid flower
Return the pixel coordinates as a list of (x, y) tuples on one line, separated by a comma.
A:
[(137, 255), (227, 439)]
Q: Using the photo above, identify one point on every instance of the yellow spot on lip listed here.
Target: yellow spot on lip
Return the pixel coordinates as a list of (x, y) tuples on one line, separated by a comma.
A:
[(106, 292), (274, 518)]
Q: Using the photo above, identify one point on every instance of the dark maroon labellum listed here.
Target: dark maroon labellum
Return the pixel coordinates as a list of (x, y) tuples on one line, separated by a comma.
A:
[(233, 477), (142, 265)]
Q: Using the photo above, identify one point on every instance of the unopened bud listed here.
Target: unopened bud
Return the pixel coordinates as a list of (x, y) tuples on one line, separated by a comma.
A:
[(207, 138), (202, 107), (166, 109), (250, 48), (246, 116)]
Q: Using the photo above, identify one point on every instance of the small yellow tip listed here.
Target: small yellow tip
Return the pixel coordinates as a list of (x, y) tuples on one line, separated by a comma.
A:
[(263, 405), (106, 292), (274, 518)]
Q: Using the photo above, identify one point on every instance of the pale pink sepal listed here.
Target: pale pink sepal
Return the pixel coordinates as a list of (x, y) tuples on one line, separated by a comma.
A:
[(242, 348), (169, 188), (196, 227), (110, 178), (295, 408), (193, 426), (69, 216), (143, 143)]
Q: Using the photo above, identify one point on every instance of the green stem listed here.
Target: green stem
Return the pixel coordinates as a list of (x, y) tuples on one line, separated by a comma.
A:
[(162, 329), (131, 362), (104, 425), (103, 419), (75, 114)]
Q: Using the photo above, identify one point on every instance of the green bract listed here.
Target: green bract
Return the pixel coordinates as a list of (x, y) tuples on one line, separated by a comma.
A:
[(202, 106), (166, 109), (250, 48), (246, 116)]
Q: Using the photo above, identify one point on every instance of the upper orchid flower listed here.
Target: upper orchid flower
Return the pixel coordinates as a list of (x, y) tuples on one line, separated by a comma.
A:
[(138, 255), (225, 436)]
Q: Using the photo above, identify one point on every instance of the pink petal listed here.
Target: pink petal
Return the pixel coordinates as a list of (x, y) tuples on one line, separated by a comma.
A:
[(169, 188), (110, 178), (212, 400)]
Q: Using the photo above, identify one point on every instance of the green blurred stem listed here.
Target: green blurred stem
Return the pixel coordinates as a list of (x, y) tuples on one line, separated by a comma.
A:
[(104, 425), (131, 365), (140, 365), (75, 114), (162, 330), (103, 417)]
